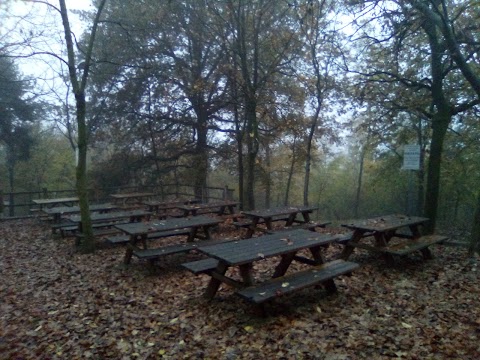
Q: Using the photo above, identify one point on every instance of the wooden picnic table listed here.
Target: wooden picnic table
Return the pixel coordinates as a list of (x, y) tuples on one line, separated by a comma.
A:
[(58, 211), (67, 201), (290, 214), (217, 207), (161, 207), (110, 218), (136, 197), (286, 245), (384, 229), (139, 232)]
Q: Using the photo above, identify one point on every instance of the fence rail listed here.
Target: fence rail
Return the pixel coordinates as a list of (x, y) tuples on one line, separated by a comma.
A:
[(20, 203)]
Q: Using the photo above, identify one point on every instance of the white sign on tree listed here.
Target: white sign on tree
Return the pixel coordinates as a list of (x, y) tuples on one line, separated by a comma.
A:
[(411, 157)]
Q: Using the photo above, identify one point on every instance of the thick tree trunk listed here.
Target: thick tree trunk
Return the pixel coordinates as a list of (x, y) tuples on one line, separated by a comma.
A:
[(475, 235), (359, 182), (268, 177), (290, 174), (88, 243), (252, 150), (440, 127)]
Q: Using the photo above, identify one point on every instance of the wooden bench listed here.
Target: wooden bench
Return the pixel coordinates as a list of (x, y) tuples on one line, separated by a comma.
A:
[(96, 233), (345, 238), (155, 253), (203, 266), (68, 228), (123, 239), (419, 244), (287, 284), (306, 226), (246, 223)]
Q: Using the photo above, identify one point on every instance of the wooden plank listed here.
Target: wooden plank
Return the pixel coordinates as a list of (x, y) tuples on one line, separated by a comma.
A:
[(122, 239), (201, 266), (408, 247), (296, 281), (150, 254)]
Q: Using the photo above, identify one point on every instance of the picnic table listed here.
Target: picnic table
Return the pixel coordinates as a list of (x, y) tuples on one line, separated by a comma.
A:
[(161, 207), (136, 197), (384, 229), (58, 211), (108, 219), (217, 207), (286, 245), (290, 214), (141, 232), (67, 201)]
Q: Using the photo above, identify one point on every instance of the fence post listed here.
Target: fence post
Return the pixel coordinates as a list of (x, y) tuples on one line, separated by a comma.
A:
[(11, 204), (1, 203)]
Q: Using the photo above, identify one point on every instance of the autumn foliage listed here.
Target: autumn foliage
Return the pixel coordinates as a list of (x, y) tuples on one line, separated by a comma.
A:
[(58, 304)]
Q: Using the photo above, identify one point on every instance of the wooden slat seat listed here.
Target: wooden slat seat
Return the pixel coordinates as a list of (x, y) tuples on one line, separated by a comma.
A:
[(201, 266), (345, 238), (306, 226), (245, 223), (122, 238), (290, 283), (408, 247)]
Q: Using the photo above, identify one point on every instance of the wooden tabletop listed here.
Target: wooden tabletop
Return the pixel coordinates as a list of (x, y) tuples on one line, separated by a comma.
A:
[(74, 209), (55, 200), (166, 225), (287, 210), (216, 204), (112, 215), (385, 223), (254, 249), (131, 195)]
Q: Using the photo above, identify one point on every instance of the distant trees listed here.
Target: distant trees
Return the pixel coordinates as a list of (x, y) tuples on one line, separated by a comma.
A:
[(17, 111), (407, 68)]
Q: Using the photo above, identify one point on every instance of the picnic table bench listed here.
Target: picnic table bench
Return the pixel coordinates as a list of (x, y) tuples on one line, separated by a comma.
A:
[(384, 229), (218, 207), (197, 227), (267, 216), (286, 245)]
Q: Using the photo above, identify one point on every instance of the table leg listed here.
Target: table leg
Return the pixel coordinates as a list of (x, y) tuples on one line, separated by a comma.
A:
[(306, 216), (317, 255), (291, 219), (214, 283), (206, 231), (268, 223), (348, 250), (246, 273), (282, 267), (381, 240), (252, 228), (193, 234)]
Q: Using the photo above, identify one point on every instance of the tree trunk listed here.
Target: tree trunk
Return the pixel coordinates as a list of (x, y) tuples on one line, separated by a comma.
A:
[(88, 243), (440, 127), (308, 159), (474, 246), (252, 150), (268, 177), (440, 121), (290, 173), (359, 182)]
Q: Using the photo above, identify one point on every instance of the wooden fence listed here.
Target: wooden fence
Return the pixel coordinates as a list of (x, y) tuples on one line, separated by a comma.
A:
[(19, 204)]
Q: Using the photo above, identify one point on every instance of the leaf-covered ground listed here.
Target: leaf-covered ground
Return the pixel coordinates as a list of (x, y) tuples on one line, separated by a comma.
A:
[(58, 304)]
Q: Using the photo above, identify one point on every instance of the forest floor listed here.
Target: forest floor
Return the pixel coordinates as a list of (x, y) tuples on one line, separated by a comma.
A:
[(58, 304)]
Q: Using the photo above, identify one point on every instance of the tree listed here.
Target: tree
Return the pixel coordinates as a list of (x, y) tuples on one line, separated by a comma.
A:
[(79, 83), (260, 43), (16, 111), (463, 48), (421, 63)]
